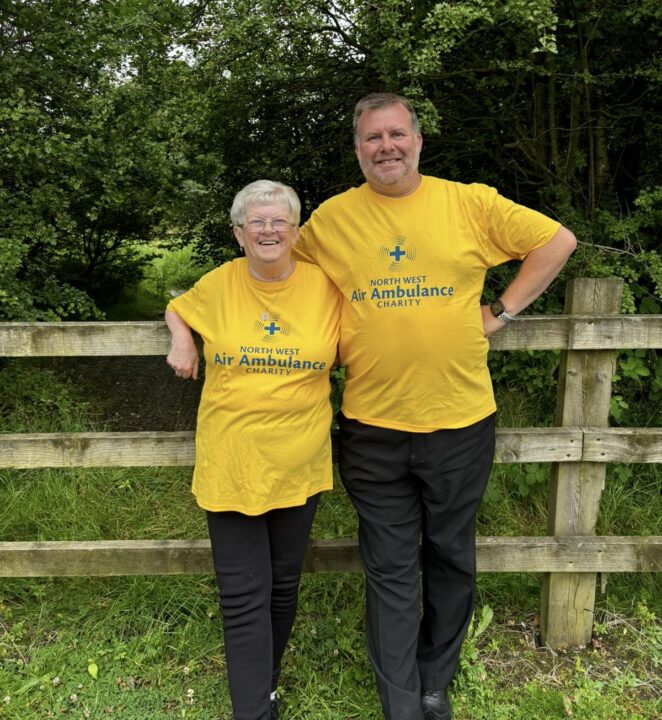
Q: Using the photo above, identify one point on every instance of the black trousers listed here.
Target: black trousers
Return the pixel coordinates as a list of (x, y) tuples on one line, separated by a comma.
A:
[(258, 562), (407, 486)]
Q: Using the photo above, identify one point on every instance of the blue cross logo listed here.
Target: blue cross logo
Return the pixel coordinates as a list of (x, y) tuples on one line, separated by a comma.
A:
[(272, 328), (397, 253)]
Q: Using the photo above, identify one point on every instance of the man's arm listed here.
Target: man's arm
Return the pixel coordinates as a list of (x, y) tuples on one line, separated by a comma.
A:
[(183, 355), (537, 271)]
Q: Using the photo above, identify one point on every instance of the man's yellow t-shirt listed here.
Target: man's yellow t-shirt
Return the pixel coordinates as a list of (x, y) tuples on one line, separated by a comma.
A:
[(411, 272), (262, 439)]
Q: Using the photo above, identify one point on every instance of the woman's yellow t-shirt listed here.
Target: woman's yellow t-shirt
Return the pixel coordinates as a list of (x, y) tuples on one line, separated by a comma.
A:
[(262, 439)]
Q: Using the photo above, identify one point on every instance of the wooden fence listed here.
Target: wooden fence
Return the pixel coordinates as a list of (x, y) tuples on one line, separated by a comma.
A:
[(579, 447)]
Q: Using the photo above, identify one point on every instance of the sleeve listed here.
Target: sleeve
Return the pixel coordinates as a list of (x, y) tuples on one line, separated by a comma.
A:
[(190, 305), (512, 230), (305, 245), (337, 301)]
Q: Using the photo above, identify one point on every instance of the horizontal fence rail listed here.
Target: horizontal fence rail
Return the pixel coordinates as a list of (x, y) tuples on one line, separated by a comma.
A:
[(566, 554), (531, 332), (147, 449)]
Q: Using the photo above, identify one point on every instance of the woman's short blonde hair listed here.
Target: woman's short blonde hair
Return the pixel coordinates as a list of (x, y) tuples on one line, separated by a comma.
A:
[(265, 192)]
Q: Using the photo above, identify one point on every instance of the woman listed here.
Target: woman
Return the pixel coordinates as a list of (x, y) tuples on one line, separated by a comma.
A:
[(263, 455)]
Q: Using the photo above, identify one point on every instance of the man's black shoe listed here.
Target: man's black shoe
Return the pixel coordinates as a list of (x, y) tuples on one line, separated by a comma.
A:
[(273, 715), (435, 705)]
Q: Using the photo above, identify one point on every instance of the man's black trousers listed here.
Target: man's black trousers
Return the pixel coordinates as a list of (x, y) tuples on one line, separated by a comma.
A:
[(258, 562), (405, 487)]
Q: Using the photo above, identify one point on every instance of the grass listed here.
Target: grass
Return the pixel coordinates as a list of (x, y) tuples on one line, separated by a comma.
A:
[(168, 270), (151, 647), (156, 645)]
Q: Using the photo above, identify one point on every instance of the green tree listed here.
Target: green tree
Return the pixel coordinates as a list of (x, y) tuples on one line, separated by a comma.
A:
[(93, 148), (555, 103), (127, 121)]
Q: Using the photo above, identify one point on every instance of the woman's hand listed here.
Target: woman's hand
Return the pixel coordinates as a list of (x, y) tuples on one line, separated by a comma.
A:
[(183, 355)]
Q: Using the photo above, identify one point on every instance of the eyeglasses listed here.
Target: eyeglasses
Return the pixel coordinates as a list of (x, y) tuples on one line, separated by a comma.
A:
[(257, 226)]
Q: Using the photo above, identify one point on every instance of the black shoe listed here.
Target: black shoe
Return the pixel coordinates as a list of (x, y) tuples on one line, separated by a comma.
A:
[(435, 705), (273, 715)]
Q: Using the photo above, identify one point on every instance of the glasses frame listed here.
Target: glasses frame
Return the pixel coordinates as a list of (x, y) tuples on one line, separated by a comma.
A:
[(263, 225)]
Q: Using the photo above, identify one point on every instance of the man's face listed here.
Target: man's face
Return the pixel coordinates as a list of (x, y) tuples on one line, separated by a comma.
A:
[(388, 150)]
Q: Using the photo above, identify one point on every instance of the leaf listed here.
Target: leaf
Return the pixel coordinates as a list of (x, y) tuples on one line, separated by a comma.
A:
[(485, 619), (93, 669)]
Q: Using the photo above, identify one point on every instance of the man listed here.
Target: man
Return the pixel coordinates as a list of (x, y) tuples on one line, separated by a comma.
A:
[(410, 253)]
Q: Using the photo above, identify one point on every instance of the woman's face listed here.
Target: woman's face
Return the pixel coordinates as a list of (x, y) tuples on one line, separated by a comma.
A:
[(267, 235)]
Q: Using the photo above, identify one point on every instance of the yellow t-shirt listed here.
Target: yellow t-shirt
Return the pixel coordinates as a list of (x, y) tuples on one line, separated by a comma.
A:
[(262, 440), (411, 272)]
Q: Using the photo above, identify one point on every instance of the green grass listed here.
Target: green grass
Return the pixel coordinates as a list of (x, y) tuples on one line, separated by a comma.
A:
[(156, 642), (168, 270), (139, 303)]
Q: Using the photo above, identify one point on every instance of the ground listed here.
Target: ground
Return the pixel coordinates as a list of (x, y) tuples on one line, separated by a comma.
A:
[(136, 393)]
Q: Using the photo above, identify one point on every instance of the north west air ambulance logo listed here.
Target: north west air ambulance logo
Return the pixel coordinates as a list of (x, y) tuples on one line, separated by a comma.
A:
[(270, 326), (397, 254)]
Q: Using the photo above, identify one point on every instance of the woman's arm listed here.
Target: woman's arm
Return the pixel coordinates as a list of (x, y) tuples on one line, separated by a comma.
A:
[(183, 356)]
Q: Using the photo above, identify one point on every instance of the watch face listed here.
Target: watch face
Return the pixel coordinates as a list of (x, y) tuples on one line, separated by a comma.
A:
[(497, 308)]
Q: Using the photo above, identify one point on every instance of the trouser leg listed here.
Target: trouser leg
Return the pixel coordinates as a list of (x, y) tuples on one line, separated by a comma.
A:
[(289, 529), (374, 469), (258, 562), (240, 547), (454, 468)]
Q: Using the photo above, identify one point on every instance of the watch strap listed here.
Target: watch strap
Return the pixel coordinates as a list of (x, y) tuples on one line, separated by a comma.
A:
[(499, 311)]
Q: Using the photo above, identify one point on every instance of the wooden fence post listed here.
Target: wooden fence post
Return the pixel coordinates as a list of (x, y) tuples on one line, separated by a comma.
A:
[(585, 377)]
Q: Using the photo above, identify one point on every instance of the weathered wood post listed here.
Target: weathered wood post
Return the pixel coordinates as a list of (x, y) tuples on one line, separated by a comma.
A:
[(585, 378)]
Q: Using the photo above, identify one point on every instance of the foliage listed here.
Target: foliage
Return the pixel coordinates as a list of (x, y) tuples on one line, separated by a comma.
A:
[(140, 121), (174, 270), (36, 399), (93, 147)]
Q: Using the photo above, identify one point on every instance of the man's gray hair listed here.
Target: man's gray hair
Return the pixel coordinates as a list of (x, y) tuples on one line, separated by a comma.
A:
[(377, 101), (265, 192)]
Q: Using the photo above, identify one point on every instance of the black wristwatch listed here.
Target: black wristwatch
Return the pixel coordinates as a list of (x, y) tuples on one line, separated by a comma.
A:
[(499, 311)]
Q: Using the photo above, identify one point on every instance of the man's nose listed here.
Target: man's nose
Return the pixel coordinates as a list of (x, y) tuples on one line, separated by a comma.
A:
[(387, 143)]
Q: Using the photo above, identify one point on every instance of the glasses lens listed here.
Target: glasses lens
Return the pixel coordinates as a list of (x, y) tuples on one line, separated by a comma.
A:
[(278, 225)]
